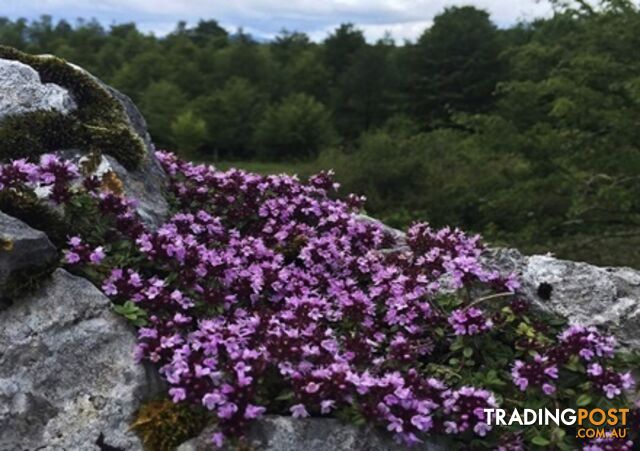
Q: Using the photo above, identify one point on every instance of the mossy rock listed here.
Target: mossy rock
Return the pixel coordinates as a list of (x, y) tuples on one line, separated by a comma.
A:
[(163, 425), (99, 124), (29, 209)]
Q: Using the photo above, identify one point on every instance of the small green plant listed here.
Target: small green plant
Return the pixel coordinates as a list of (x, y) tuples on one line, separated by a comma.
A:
[(132, 312)]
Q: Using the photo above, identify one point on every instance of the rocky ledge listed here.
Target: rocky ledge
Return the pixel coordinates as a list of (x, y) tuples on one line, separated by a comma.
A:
[(67, 375), (582, 293)]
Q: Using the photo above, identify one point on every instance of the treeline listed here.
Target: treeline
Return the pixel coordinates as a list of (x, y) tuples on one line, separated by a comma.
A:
[(207, 90), (529, 135)]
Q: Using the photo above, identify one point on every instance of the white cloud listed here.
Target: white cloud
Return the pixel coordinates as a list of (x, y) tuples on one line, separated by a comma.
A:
[(405, 19)]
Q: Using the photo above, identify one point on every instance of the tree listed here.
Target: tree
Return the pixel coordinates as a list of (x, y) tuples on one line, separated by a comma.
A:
[(189, 133), (159, 103), (364, 96), (207, 31), (137, 74), (244, 58), (306, 73), (456, 65), (340, 47), (231, 114), (297, 127), (288, 45)]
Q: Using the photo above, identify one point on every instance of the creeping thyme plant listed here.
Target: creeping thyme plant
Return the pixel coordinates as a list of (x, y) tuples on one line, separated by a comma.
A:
[(267, 295)]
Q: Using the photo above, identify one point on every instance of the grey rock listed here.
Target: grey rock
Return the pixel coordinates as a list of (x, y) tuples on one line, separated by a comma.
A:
[(146, 186), (146, 183), (68, 378), (398, 235), (21, 91), (582, 293), (21, 249), (279, 433), (136, 120)]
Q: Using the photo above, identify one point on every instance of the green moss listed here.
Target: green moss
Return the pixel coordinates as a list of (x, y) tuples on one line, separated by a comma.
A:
[(30, 210), (21, 135), (98, 124), (163, 425), (27, 281), (115, 136)]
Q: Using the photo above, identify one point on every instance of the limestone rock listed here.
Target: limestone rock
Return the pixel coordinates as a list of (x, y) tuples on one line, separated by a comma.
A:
[(68, 380), (278, 433), (145, 184), (582, 293), (21, 91), (21, 249)]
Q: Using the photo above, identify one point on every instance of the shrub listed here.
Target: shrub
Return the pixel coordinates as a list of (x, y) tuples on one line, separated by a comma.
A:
[(298, 127), (442, 175), (231, 114), (189, 132), (263, 294)]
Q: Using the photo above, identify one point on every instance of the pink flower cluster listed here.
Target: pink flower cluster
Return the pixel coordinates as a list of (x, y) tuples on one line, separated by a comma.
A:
[(469, 321), (465, 408), (539, 372), (454, 253), (586, 342), (80, 252), (265, 285), (52, 175), (594, 349), (589, 345), (608, 381), (262, 292), (608, 444)]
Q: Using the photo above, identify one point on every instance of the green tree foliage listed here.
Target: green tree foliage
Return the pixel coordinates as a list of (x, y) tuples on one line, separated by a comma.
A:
[(231, 114), (161, 101), (441, 176), (189, 132), (365, 93), (570, 109), (528, 134), (297, 127), (456, 65), (341, 46)]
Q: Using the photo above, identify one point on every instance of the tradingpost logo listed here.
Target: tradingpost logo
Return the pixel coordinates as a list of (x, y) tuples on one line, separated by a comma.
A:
[(591, 423)]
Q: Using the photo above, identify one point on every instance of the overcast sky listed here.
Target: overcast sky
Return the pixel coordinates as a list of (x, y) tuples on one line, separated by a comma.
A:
[(404, 19)]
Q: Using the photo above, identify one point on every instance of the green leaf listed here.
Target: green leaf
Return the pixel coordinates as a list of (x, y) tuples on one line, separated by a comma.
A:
[(583, 400), (467, 352), (285, 396), (457, 344), (132, 312), (540, 441)]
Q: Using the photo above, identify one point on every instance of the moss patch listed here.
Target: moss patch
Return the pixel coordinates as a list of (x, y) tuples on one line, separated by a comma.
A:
[(163, 425), (30, 210), (27, 281), (99, 124)]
